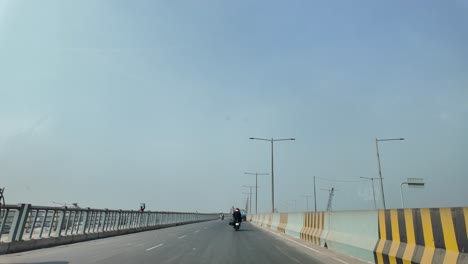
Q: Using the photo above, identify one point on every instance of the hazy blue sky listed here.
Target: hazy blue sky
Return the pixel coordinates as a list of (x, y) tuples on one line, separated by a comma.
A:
[(112, 103)]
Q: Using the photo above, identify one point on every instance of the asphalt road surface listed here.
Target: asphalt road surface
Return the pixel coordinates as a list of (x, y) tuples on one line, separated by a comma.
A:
[(207, 242)]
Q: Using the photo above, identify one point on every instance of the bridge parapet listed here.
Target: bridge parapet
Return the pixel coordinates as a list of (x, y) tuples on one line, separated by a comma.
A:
[(25, 227)]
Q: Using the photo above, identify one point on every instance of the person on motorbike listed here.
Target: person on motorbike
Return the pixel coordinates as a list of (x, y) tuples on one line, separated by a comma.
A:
[(237, 216)]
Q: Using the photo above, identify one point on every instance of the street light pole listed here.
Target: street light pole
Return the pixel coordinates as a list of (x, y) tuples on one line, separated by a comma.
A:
[(256, 187), (272, 168), (373, 190), (247, 200), (380, 168), (272, 181), (250, 197), (315, 196)]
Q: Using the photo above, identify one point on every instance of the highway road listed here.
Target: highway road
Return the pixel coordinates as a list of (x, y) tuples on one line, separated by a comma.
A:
[(207, 242)]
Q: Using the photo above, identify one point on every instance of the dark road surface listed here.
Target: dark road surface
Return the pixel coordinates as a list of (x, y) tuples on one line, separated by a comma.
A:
[(208, 242)]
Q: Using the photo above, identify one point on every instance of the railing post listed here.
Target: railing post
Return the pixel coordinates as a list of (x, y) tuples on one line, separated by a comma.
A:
[(51, 223), (148, 218), (19, 222), (63, 212), (140, 218), (118, 219), (129, 221), (33, 225), (86, 220), (104, 221), (44, 217)]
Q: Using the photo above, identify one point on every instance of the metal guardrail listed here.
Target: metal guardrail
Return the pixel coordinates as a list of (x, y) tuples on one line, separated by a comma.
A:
[(26, 222)]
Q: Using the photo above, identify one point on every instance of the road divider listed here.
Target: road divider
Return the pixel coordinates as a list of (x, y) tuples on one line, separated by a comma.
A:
[(426, 235)]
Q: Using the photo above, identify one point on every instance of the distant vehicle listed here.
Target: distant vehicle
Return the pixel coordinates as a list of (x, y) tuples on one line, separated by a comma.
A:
[(244, 215)]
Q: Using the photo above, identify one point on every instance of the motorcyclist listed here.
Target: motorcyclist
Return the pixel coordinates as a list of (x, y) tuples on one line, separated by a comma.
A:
[(237, 216)]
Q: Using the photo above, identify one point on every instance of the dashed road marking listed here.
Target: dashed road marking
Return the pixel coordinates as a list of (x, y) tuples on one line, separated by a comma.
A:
[(151, 248), (197, 231), (181, 236)]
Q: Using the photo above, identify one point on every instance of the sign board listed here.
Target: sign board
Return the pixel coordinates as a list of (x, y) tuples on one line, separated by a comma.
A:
[(415, 183)]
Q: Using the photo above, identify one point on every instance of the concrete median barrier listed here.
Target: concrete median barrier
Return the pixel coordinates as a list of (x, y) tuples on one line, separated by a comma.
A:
[(295, 222), (427, 235), (313, 227), (353, 233)]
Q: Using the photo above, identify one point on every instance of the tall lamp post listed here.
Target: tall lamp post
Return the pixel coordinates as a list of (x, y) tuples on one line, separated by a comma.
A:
[(272, 140), (256, 187), (380, 168), (373, 190), (250, 197), (246, 200)]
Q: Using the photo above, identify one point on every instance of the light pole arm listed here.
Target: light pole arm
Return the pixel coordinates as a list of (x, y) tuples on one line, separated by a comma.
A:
[(264, 139)]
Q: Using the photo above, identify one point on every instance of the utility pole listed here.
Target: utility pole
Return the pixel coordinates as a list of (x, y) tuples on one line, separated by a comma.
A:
[(315, 196), (373, 189), (256, 187)]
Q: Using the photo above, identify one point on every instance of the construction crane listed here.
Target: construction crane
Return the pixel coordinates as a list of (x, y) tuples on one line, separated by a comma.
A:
[(331, 192)]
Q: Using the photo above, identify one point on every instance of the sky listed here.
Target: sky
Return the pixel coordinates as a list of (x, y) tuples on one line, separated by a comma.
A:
[(111, 103)]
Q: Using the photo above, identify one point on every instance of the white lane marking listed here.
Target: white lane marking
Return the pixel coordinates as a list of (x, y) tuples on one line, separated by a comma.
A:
[(340, 260), (205, 227), (197, 231), (181, 236), (313, 249), (151, 248)]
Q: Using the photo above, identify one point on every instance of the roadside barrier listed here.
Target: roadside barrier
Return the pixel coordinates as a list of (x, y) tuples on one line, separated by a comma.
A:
[(426, 235), (25, 227)]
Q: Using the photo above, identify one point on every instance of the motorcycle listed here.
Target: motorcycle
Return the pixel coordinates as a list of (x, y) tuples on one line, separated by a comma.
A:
[(236, 225), (221, 217)]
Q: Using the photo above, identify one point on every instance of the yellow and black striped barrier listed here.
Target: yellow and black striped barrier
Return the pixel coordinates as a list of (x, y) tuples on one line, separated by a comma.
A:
[(313, 227), (435, 235)]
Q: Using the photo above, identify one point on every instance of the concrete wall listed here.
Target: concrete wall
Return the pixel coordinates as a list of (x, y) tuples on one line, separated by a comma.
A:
[(427, 235), (435, 235), (354, 233), (294, 225)]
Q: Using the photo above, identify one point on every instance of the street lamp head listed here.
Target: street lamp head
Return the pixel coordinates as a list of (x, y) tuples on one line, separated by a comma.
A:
[(292, 139), (402, 139), (251, 138)]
